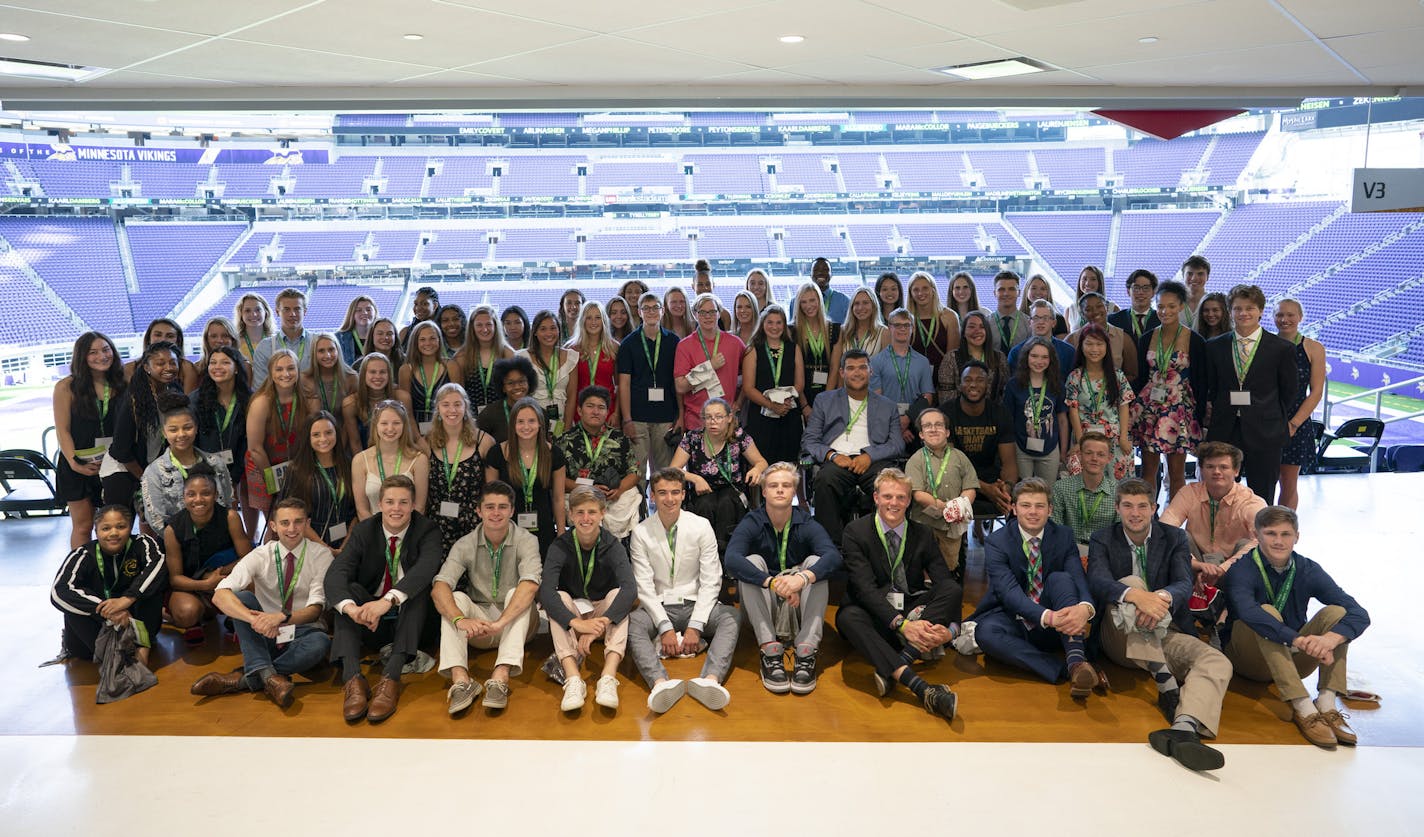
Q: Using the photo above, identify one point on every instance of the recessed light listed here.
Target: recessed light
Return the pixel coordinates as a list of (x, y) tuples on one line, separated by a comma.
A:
[(993, 69), (791, 39), (11, 36), (413, 37), (1150, 39), (46, 70)]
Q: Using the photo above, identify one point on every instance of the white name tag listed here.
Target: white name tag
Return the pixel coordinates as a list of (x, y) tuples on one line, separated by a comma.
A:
[(1159, 394), (529, 521), (1240, 398), (903, 407), (449, 509), (286, 633), (583, 481), (224, 456), (655, 394), (896, 600), (425, 427), (819, 379), (1034, 444), (584, 606), (104, 442), (336, 532), (670, 599)]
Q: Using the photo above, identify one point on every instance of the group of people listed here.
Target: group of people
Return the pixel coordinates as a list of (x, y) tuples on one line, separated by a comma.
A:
[(473, 465)]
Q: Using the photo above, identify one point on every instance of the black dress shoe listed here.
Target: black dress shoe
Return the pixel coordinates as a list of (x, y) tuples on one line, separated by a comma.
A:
[(1187, 748), (1168, 702)]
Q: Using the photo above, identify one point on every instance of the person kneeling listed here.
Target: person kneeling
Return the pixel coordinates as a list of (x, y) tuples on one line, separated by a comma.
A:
[(679, 576), (891, 615), (277, 619), (501, 564), (588, 591)]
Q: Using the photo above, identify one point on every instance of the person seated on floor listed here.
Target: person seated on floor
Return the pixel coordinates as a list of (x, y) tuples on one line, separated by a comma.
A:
[(602, 458), (1086, 502), (781, 559), (116, 578), (901, 603), (588, 590), (852, 434), (502, 569), (201, 544), (1269, 639), (1038, 600), (381, 583), (275, 595), (1141, 577), (941, 476), (679, 577), (1218, 511), (163, 477)]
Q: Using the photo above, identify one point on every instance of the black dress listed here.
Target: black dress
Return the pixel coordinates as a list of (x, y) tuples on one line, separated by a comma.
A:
[(215, 439), (814, 363), (480, 393), (541, 503), (778, 439), (464, 489), (329, 509), (424, 399), (208, 547), (85, 428)]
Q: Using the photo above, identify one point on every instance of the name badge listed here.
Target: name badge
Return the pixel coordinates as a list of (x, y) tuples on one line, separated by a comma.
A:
[(551, 412), (449, 509), (286, 633), (224, 456), (336, 532), (1159, 394), (670, 599), (104, 442), (425, 427), (1034, 444), (820, 379), (583, 606), (528, 521), (583, 481), (896, 600), (903, 407), (655, 394), (1240, 398)]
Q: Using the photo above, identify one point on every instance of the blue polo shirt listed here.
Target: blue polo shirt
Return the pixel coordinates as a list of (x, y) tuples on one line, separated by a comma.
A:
[(633, 360), (886, 369)]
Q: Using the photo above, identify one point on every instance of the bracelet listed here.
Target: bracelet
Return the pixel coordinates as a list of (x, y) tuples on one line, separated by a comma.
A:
[(456, 621), (901, 628)]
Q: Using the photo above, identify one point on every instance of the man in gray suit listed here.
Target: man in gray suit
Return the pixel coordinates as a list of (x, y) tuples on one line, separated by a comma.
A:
[(853, 433)]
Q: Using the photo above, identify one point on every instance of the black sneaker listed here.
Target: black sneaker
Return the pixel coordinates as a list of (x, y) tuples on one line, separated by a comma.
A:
[(939, 700), (773, 672), (1167, 702), (803, 678)]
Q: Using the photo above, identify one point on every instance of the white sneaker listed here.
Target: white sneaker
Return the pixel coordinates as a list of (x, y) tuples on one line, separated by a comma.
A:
[(665, 694), (709, 692), (607, 692), (575, 692)]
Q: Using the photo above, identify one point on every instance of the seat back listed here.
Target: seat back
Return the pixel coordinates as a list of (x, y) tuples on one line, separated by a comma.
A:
[(1363, 428), (1409, 458), (26, 488)]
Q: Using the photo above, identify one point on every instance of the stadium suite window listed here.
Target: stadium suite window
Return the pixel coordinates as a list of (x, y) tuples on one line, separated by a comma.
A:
[(14, 364), (54, 359)]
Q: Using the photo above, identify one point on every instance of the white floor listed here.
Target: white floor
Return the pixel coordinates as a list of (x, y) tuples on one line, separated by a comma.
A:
[(120, 785)]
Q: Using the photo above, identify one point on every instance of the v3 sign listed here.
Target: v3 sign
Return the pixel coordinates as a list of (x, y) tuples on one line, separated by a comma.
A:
[(1388, 190)]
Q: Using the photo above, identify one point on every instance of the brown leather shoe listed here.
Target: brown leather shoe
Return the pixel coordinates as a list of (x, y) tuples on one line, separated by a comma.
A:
[(1082, 677), (1316, 730), (279, 688), (213, 684), (1343, 734), (358, 693), (384, 700)]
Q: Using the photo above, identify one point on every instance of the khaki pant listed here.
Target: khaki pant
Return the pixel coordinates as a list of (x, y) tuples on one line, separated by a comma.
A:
[(949, 548), (615, 639), (455, 648), (648, 447), (1266, 661), (1203, 672)]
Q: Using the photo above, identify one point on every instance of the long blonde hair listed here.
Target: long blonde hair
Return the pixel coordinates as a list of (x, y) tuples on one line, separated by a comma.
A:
[(409, 444), (267, 326), (875, 326), (349, 322), (579, 340), (469, 433), (912, 305), (300, 413)]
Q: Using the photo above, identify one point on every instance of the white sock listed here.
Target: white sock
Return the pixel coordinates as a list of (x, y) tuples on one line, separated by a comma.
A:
[(1304, 707), (1325, 701)]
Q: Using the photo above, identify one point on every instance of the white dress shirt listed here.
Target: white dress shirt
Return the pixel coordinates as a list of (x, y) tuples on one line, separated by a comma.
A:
[(262, 570)]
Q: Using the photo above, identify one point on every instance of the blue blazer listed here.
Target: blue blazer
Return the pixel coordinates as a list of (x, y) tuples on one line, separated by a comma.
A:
[(1169, 567), (831, 413), (1006, 564)]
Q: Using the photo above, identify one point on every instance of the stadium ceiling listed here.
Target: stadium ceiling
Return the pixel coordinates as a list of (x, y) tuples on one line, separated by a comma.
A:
[(515, 54)]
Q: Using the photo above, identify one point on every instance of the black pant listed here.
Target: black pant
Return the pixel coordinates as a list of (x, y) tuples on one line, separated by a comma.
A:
[(120, 488), (403, 632), (1260, 465), (833, 494), (879, 643), (82, 632)]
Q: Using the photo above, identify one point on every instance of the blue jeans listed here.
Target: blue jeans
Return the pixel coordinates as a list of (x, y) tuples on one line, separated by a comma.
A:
[(260, 657)]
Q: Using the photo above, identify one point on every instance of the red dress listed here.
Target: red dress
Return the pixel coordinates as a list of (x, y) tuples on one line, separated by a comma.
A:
[(605, 374), (279, 449)]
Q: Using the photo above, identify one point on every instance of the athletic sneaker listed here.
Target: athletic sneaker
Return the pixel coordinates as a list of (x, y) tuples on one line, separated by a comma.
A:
[(461, 695), (575, 693), (883, 686), (496, 694), (803, 678), (773, 670), (607, 692), (709, 693), (665, 694), (939, 700)]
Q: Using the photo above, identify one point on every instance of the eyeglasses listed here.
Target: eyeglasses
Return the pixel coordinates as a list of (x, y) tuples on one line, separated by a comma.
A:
[(650, 308), (902, 325), (1042, 318), (706, 312), (932, 425), (1141, 286)]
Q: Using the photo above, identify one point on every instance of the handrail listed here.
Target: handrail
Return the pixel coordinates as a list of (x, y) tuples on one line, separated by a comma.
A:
[(1377, 392)]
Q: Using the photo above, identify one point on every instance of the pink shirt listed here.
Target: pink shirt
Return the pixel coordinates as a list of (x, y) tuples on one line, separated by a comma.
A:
[(1235, 518), (689, 354)]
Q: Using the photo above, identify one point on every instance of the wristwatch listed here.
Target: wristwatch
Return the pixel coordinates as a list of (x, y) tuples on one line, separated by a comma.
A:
[(286, 616)]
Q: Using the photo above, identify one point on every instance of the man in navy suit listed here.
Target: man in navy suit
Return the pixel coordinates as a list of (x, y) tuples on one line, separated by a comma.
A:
[(1140, 572), (1038, 599), (853, 433), (1251, 385), (1141, 317)]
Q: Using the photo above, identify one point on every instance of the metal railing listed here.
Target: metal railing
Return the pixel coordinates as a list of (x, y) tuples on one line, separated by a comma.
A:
[(1378, 393)]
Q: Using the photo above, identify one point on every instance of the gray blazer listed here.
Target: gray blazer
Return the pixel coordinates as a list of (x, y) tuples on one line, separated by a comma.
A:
[(831, 414)]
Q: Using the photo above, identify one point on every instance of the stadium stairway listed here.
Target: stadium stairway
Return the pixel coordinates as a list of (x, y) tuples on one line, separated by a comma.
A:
[(1304, 237), (11, 257), (1366, 252)]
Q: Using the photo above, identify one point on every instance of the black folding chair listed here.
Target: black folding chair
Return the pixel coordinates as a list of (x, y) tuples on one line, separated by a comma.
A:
[(27, 488), (1359, 438)]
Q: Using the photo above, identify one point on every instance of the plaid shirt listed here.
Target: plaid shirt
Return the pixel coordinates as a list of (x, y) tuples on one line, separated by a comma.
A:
[(1071, 500)]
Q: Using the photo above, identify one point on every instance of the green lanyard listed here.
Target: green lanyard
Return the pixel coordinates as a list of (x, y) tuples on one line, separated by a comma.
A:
[(586, 566), (1037, 404), (1034, 564), (334, 407), (497, 556), (1008, 333), (775, 362), (1087, 513), (485, 371), (450, 467), (179, 465), (381, 463), (1281, 596), (597, 355), (655, 353), (103, 405), (1243, 368), (862, 342), (672, 553), (722, 459), (551, 375), (593, 451), (225, 418), (927, 335), (290, 587), (816, 343), (850, 425), (1140, 554), (251, 350), (1164, 358), (1139, 322), (425, 384), (716, 347), (1213, 506), (781, 548), (284, 420), (360, 344), (933, 475), (103, 574), (338, 492), (902, 375), (528, 477), (1095, 390), (899, 556)]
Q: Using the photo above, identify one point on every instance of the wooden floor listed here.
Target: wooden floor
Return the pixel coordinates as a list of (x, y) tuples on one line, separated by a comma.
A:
[(1365, 530)]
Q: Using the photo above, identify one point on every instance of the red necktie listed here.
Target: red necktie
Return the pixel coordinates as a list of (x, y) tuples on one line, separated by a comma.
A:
[(386, 580), (289, 569)]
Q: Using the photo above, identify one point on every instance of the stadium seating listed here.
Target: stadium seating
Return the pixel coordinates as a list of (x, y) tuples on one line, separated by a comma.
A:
[(169, 259)]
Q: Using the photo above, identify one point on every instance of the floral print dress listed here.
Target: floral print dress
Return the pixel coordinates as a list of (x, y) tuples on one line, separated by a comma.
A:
[(1097, 413), (1164, 419)]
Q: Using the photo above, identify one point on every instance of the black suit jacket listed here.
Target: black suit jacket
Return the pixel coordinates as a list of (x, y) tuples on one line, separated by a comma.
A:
[(1123, 320), (357, 572), (1169, 568), (868, 569), (1271, 382)]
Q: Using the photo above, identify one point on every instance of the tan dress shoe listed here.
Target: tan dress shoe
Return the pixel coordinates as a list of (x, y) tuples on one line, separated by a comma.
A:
[(1336, 719), (1316, 730), (218, 684), (384, 699), (358, 694), (1082, 678), (279, 688)]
